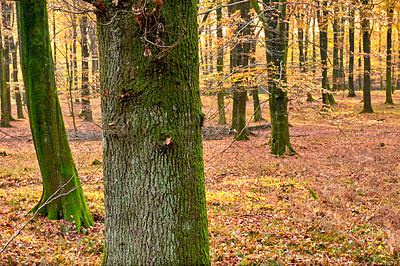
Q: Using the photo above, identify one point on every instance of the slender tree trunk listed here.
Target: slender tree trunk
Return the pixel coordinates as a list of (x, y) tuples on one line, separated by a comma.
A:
[(335, 72), (69, 83), (398, 64), (95, 58), (85, 91), (366, 29), (323, 44), (235, 107), (360, 72), (18, 100), (6, 9), (240, 58), (5, 118), (389, 99), (220, 69), (54, 40), (257, 114), (352, 92), (154, 187), (342, 78), (74, 56), (62, 196), (314, 56)]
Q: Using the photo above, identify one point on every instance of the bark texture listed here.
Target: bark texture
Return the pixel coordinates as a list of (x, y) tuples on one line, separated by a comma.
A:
[(152, 144), (45, 117)]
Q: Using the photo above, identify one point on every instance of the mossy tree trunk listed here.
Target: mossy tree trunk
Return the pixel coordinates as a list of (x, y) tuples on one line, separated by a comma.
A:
[(366, 30), (276, 28), (352, 92), (390, 11), (85, 91), (49, 136), (5, 118), (154, 186)]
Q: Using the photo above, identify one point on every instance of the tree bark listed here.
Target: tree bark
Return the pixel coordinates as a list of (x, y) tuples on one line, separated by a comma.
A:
[(389, 99), (276, 28), (366, 30), (6, 10), (154, 187), (323, 43), (18, 99), (352, 92), (240, 58), (62, 196), (5, 118)]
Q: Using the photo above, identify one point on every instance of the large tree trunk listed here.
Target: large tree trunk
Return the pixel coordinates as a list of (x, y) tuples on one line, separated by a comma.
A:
[(62, 192), (85, 92), (366, 30), (389, 99), (154, 187)]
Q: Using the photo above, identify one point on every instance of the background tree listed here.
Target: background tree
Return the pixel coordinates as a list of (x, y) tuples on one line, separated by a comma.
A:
[(389, 12), (240, 59), (85, 92), (366, 33), (323, 44), (5, 118), (6, 11), (220, 69), (352, 92), (62, 195)]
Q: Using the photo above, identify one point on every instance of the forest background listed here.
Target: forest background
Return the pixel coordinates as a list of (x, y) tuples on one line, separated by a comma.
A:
[(336, 200)]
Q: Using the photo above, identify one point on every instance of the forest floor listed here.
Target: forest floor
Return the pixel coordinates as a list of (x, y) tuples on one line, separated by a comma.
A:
[(337, 202)]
